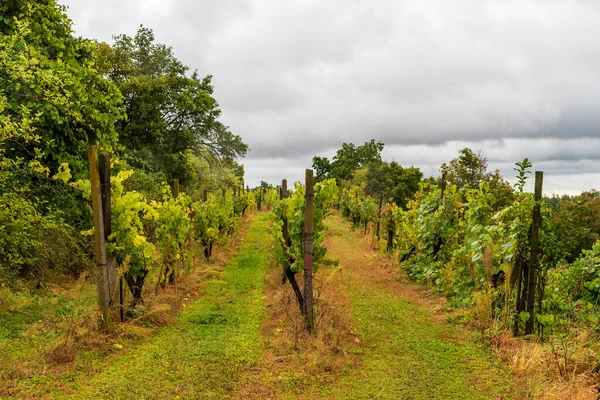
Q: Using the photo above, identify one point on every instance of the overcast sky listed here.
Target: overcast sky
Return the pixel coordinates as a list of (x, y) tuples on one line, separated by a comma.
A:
[(513, 79)]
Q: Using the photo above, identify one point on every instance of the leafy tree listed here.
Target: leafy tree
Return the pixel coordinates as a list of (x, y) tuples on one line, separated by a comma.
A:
[(170, 112), (322, 167), (347, 160), (574, 221), (48, 82), (393, 180), (468, 169), (53, 104)]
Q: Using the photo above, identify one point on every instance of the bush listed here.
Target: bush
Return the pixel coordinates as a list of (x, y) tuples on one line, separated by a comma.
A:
[(32, 243)]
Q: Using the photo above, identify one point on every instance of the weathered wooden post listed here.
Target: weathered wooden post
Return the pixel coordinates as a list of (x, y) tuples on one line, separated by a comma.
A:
[(309, 319), (286, 235), (533, 258), (175, 188), (379, 217), (205, 195), (443, 184), (104, 171), (99, 242), (390, 235), (258, 206)]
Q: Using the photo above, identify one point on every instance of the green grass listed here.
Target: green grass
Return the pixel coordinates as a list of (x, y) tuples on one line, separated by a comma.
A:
[(205, 353), (407, 355), (215, 345), (31, 321), (202, 355)]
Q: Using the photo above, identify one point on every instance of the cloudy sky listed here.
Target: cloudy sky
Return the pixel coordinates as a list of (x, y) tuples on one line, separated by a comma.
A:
[(296, 78)]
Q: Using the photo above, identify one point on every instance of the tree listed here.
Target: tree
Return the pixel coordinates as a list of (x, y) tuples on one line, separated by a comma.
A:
[(49, 74), (169, 112), (468, 169), (393, 180), (322, 167), (347, 160)]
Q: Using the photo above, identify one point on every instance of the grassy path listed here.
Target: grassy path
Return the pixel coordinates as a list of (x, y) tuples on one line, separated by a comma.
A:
[(406, 354), (205, 353), (222, 347)]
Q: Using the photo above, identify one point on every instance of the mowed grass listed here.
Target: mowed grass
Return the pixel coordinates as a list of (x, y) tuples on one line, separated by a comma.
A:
[(406, 355), (206, 351)]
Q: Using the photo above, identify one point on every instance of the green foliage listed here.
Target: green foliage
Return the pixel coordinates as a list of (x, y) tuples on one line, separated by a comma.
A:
[(583, 277), (292, 209), (171, 114), (206, 220), (393, 180), (173, 229), (49, 82), (58, 95), (522, 172), (468, 169), (271, 196), (32, 243), (214, 219), (347, 160)]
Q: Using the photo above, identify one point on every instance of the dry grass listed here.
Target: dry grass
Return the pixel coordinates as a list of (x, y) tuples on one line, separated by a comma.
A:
[(292, 359), (559, 369)]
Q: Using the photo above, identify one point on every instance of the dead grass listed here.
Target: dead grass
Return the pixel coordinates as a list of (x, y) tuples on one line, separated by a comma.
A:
[(294, 361), (559, 369)]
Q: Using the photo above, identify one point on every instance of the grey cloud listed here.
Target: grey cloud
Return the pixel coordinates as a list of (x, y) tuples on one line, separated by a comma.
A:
[(514, 78)]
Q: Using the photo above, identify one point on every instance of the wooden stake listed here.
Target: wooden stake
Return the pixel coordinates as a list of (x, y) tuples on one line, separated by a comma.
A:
[(443, 184), (379, 216), (533, 258), (309, 319), (104, 169), (286, 235), (175, 188), (259, 198), (99, 243)]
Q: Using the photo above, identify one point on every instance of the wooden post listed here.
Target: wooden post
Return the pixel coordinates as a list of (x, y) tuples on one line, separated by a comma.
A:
[(533, 258), (379, 216), (390, 235), (104, 170), (205, 195), (258, 206), (175, 188), (223, 192), (99, 243), (443, 184), (286, 235), (309, 319)]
